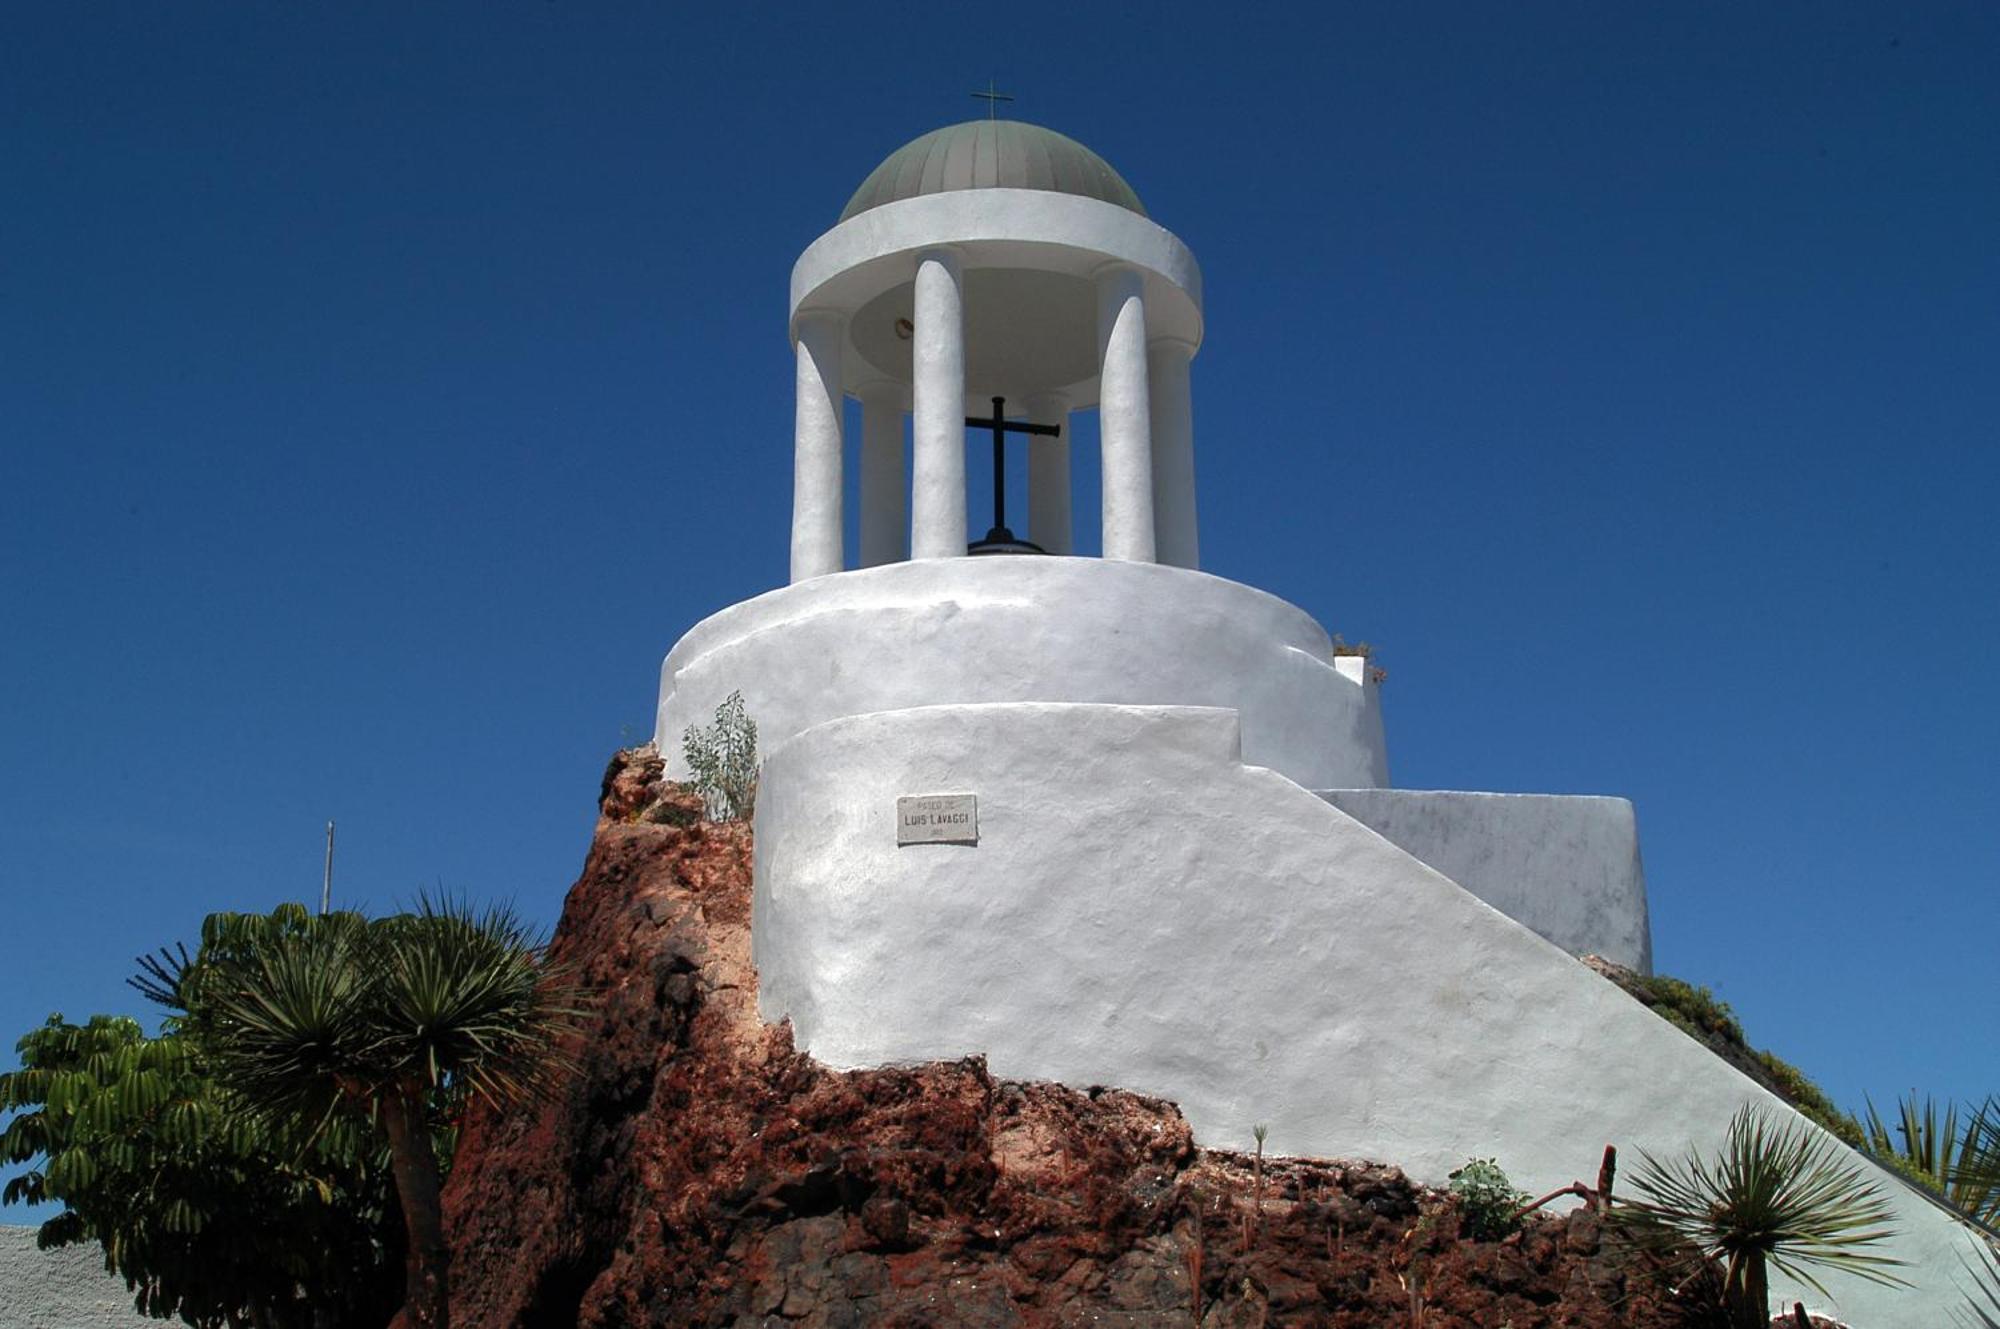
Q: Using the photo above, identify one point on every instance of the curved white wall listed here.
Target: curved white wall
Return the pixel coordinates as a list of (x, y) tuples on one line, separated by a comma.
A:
[(1143, 910), (1565, 866), (1030, 629)]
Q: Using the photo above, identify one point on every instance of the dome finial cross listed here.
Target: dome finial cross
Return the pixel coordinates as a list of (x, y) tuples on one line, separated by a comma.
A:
[(993, 100)]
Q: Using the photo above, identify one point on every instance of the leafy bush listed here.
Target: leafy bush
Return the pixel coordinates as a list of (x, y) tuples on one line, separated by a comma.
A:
[(1697, 1010), (723, 760), (209, 1213), (1487, 1200), (1779, 1194), (378, 1026)]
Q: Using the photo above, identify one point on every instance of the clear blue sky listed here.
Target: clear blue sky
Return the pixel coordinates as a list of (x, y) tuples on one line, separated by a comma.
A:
[(384, 388)]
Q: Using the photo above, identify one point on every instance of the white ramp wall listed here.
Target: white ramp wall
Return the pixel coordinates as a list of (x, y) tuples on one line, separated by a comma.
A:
[(1143, 910), (1564, 866)]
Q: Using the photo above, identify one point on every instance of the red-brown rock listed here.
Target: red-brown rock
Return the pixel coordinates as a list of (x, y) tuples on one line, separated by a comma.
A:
[(696, 1170)]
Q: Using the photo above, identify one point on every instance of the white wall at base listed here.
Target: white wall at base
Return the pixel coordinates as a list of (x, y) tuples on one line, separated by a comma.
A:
[(1143, 910), (65, 1288), (1029, 629), (1566, 867)]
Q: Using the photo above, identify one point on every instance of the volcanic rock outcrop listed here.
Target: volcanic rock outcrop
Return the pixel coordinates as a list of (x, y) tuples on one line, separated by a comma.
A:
[(696, 1170)]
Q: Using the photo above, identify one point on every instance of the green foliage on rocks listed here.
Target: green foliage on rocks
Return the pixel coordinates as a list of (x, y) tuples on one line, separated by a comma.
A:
[(1487, 1200), (209, 1214), (722, 759)]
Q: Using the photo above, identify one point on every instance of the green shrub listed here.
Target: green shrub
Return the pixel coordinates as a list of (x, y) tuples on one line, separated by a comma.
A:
[(1487, 1200), (1696, 1010), (722, 758)]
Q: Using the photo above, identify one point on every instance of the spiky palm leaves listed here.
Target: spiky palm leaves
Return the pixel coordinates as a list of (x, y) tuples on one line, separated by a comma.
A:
[(308, 1013), (1983, 1300), (1779, 1195), (391, 1021), (1963, 1166)]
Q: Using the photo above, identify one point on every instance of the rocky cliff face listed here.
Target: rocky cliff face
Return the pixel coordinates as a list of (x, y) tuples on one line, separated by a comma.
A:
[(697, 1170)]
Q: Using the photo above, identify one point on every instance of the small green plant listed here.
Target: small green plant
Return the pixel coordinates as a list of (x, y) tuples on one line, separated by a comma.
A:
[(1780, 1194), (722, 758), (1487, 1201), (1260, 1130)]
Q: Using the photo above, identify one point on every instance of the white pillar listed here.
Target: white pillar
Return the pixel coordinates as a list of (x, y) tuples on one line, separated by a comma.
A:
[(883, 497), (1124, 431), (1173, 451), (937, 431), (1048, 475), (816, 534)]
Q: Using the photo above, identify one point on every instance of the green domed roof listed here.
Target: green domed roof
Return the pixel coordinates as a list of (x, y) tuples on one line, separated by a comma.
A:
[(992, 154)]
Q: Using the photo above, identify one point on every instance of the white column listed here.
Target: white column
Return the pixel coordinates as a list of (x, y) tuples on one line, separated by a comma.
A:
[(1124, 430), (816, 534), (1173, 451), (937, 485), (1048, 475), (883, 497)]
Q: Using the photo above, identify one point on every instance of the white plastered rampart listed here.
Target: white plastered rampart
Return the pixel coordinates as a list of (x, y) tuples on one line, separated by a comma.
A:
[(939, 631), (1564, 866), (1144, 910)]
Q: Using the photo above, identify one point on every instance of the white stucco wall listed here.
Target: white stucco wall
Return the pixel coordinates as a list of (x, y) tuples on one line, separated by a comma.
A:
[(1566, 867), (67, 1288), (946, 630), (1143, 910)]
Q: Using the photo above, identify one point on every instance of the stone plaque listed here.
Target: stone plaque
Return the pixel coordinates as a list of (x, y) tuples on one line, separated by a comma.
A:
[(937, 819)]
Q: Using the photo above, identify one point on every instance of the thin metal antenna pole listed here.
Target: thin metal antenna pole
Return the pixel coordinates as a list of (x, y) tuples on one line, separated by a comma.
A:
[(326, 885)]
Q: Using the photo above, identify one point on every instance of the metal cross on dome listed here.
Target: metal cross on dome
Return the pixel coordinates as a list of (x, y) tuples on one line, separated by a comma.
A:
[(993, 100)]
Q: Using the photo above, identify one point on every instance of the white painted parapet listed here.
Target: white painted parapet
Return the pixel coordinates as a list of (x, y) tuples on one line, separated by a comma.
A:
[(1567, 867), (1030, 629), (1141, 909)]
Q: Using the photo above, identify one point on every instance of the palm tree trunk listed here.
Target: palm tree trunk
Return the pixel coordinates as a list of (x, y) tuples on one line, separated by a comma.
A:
[(426, 1286), (1748, 1292)]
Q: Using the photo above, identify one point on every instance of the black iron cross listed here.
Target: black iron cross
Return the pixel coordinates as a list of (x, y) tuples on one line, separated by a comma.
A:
[(1000, 539), (993, 100)]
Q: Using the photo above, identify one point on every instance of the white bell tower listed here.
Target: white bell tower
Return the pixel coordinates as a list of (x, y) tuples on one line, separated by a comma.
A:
[(999, 262), (1118, 821), (993, 259)]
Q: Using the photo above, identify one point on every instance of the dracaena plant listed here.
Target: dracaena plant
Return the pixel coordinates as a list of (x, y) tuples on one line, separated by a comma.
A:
[(1780, 1195), (385, 1024)]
